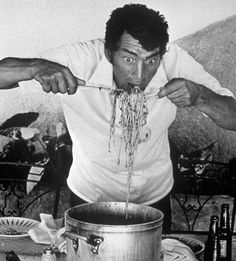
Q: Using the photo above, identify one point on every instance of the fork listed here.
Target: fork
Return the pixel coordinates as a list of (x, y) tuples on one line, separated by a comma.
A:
[(100, 87)]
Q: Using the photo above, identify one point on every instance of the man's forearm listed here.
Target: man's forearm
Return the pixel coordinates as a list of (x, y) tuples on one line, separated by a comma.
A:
[(14, 70), (221, 109), (52, 76)]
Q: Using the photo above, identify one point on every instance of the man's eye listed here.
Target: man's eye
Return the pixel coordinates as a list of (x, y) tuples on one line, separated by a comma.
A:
[(151, 61), (129, 59)]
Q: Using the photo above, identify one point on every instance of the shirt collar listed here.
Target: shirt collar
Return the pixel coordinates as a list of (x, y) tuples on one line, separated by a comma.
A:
[(158, 81)]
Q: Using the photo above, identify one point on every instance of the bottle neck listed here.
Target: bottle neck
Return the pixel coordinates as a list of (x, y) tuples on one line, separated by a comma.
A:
[(224, 220), (213, 229)]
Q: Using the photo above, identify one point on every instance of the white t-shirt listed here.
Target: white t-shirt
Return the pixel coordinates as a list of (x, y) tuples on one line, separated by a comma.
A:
[(95, 174)]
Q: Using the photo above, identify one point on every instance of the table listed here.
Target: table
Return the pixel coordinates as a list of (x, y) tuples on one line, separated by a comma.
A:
[(204, 237), (27, 250)]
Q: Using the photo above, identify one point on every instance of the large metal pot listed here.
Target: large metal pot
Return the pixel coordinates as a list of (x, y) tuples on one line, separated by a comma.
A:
[(107, 231)]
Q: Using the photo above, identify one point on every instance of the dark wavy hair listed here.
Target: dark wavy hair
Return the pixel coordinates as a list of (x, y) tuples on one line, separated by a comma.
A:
[(145, 25)]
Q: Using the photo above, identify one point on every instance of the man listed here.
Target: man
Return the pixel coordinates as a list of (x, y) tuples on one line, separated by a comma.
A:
[(134, 53)]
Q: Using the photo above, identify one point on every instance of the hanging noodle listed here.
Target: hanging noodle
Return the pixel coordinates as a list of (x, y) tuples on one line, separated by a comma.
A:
[(133, 107)]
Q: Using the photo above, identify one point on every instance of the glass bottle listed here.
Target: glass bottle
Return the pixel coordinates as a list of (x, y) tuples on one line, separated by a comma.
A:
[(212, 246), (12, 256), (48, 255), (215, 256), (225, 234)]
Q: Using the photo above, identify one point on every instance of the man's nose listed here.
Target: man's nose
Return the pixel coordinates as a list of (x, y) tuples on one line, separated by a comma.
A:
[(138, 73)]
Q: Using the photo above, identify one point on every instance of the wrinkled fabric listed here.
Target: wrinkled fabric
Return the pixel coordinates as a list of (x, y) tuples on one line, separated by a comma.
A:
[(174, 250), (48, 232)]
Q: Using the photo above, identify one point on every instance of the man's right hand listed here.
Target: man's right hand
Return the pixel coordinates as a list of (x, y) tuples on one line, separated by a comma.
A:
[(55, 77)]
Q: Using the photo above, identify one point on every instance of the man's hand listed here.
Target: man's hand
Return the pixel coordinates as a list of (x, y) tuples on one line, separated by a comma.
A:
[(220, 108), (181, 92), (55, 77)]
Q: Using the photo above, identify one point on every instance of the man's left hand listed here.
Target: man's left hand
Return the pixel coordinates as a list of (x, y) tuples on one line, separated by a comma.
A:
[(181, 92)]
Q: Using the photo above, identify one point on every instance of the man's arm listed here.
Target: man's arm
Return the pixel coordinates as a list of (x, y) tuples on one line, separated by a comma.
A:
[(14, 70), (183, 93), (221, 109), (52, 76)]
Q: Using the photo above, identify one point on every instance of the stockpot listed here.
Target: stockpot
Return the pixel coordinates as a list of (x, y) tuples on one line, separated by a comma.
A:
[(113, 231)]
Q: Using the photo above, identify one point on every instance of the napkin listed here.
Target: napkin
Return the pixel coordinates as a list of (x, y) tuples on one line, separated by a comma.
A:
[(173, 249), (48, 232)]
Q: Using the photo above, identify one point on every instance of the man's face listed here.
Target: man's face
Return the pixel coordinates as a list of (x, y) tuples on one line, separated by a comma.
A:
[(133, 65)]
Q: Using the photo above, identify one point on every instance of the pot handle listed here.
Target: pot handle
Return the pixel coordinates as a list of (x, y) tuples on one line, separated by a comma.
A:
[(92, 240)]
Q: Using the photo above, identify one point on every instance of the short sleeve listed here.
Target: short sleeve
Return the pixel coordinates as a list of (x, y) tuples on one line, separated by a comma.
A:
[(81, 57), (178, 63)]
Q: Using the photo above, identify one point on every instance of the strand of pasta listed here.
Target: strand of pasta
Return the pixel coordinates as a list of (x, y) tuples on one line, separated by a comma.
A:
[(133, 107)]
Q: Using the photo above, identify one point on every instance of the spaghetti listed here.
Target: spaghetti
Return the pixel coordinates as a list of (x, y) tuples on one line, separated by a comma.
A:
[(133, 107)]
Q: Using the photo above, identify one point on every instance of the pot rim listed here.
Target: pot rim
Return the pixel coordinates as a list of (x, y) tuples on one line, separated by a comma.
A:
[(144, 226)]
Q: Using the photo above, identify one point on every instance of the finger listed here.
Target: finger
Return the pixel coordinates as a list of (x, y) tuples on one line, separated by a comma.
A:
[(46, 87), (80, 81), (72, 90), (54, 85), (165, 91), (72, 82), (74, 85), (62, 85), (170, 87), (180, 102), (180, 93)]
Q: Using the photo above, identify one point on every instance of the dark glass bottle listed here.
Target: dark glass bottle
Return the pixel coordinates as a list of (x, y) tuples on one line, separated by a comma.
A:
[(212, 247), (225, 234), (12, 256)]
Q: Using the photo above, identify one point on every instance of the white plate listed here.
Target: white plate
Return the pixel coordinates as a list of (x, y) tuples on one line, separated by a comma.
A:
[(16, 226)]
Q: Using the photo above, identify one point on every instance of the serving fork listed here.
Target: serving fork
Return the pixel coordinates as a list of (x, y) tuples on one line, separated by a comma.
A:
[(101, 87)]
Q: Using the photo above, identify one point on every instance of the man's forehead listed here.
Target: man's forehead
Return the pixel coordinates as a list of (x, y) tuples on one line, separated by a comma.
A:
[(128, 42)]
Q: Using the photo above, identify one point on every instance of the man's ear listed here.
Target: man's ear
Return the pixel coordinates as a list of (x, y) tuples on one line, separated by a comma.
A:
[(108, 55)]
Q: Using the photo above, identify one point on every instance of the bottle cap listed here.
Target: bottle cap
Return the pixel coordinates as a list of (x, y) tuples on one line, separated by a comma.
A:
[(214, 218), (48, 251), (225, 205)]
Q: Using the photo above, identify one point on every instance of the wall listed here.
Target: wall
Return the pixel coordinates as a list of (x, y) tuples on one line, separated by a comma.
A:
[(28, 27)]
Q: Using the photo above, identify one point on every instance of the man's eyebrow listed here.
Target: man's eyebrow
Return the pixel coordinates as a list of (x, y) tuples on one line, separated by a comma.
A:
[(135, 54), (153, 55), (128, 51)]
